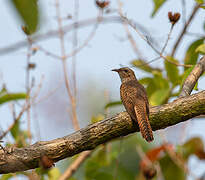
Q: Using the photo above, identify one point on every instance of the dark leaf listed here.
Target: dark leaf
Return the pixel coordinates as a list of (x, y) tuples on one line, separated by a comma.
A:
[(170, 170), (143, 66), (172, 70), (157, 5), (201, 49), (15, 130), (193, 146), (97, 118), (29, 13), (191, 54), (159, 97), (6, 97)]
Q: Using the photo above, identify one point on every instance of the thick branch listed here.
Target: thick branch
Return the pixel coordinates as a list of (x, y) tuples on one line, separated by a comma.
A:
[(193, 77), (21, 159)]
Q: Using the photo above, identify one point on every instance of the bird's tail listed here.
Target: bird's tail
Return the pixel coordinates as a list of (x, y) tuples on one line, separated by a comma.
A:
[(143, 122)]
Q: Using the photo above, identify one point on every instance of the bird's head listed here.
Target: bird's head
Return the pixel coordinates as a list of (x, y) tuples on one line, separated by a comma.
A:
[(126, 74)]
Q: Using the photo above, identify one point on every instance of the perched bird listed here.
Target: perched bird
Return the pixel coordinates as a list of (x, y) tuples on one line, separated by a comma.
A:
[(135, 101)]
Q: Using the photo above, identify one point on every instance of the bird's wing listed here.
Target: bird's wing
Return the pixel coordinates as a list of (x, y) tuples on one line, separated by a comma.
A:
[(127, 97)]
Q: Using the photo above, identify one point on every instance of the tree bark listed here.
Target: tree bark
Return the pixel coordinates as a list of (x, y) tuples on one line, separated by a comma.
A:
[(21, 159)]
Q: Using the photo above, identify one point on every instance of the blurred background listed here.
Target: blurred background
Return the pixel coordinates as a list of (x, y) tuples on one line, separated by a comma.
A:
[(101, 45)]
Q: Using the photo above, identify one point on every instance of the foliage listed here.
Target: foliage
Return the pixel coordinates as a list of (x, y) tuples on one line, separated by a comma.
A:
[(5, 96), (29, 13), (201, 49), (119, 159), (157, 5)]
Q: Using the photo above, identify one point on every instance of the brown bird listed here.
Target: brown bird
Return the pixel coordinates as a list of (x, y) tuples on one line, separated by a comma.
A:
[(135, 101)]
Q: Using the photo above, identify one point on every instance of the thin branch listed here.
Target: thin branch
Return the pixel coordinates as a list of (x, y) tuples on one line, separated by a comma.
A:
[(25, 107), (21, 159), (75, 45), (28, 88), (54, 33), (150, 44), (88, 39), (194, 11), (75, 165), (65, 71), (48, 53), (193, 77), (168, 38), (129, 35)]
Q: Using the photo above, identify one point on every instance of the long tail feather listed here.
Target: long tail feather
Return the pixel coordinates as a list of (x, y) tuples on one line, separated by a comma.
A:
[(144, 125)]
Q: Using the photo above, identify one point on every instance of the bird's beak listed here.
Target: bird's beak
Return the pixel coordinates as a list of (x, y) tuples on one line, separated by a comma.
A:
[(116, 70)]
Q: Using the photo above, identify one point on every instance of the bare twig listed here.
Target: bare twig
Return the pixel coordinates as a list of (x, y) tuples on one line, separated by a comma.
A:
[(63, 53), (193, 77), (129, 35), (46, 52), (194, 11), (150, 44), (75, 165), (67, 28), (25, 107), (168, 38), (28, 88), (88, 39), (75, 45)]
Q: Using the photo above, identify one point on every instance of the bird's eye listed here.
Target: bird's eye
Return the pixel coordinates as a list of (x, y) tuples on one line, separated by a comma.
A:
[(126, 70)]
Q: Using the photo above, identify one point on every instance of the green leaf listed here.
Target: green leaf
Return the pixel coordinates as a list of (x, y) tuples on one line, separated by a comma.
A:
[(191, 54), (201, 49), (156, 83), (157, 5), (160, 81), (145, 80), (102, 157), (97, 118), (143, 66), (54, 174), (192, 146), (29, 13), (6, 97), (151, 88), (6, 176), (92, 168), (112, 104), (172, 70), (170, 170), (199, 1), (102, 176), (159, 97), (15, 130)]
